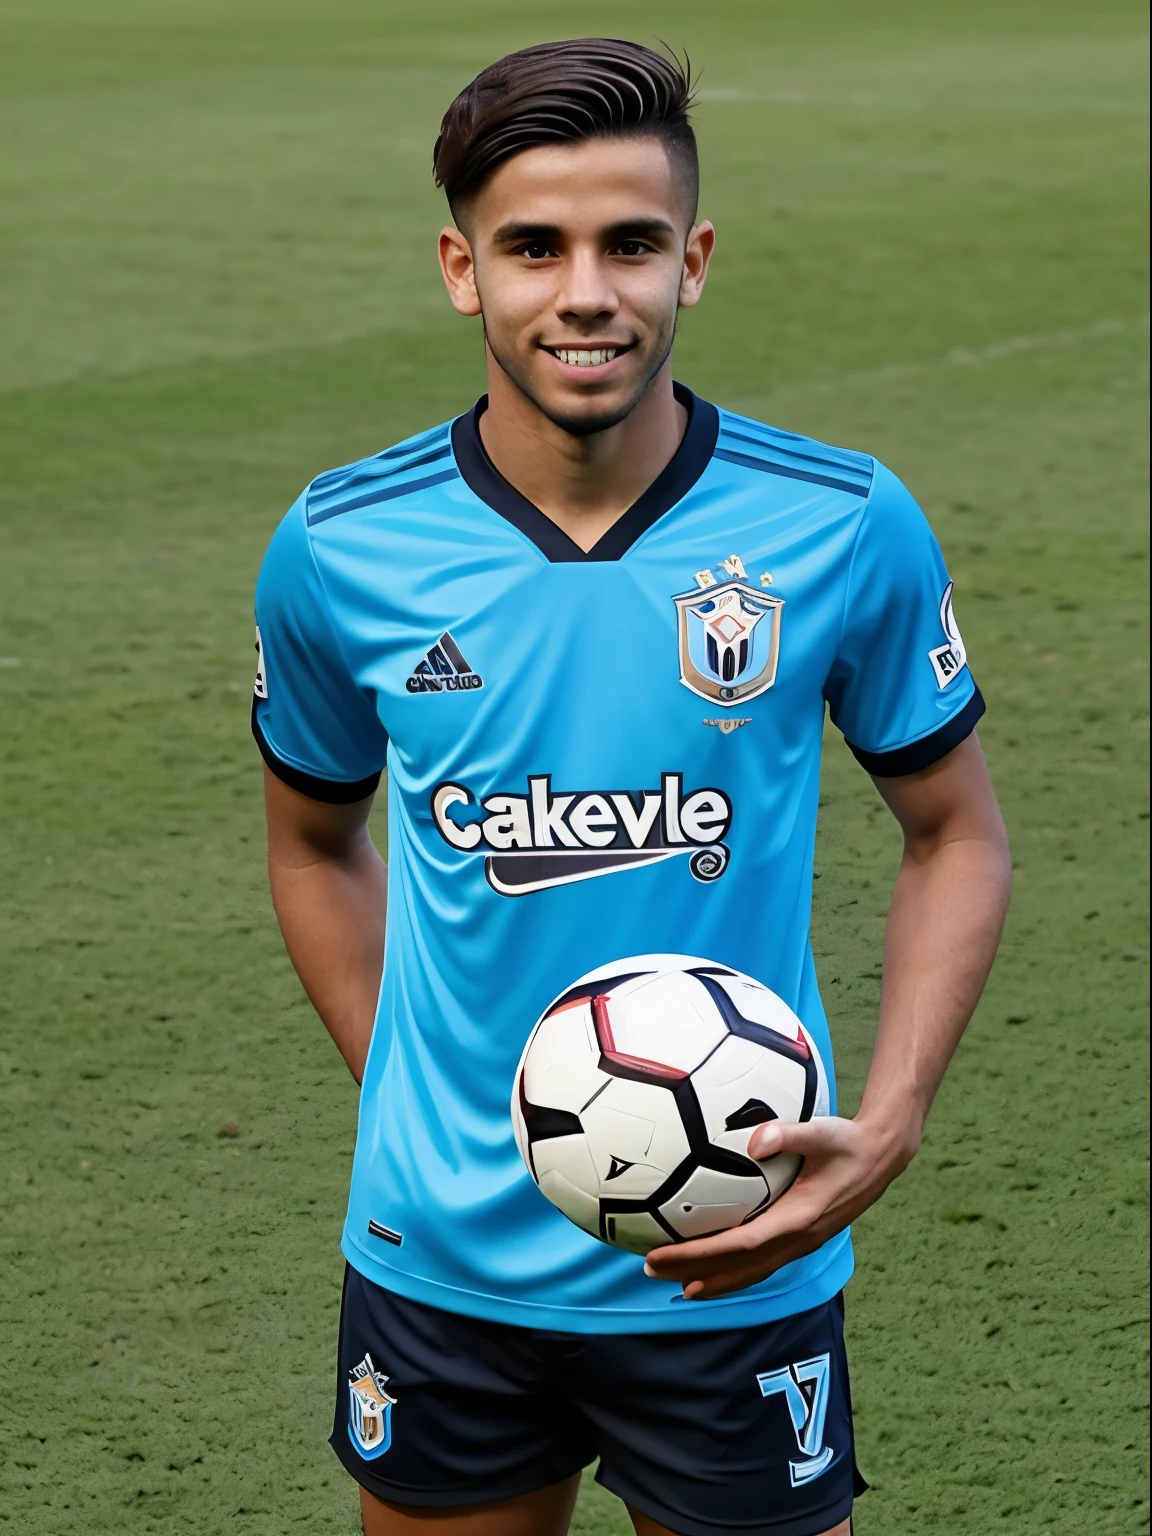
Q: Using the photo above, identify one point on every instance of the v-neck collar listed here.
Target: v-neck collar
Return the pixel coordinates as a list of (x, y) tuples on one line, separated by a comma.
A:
[(673, 482)]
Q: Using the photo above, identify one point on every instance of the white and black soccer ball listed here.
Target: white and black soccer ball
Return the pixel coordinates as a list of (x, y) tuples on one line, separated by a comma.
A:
[(640, 1087)]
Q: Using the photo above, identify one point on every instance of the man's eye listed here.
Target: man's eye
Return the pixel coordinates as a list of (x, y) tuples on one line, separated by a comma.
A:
[(632, 248), (535, 251)]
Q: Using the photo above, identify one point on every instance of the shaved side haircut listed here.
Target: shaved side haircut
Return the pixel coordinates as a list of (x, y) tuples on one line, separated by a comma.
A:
[(562, 93)]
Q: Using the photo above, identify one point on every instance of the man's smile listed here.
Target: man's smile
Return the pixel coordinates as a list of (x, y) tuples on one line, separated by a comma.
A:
[(589, 356)]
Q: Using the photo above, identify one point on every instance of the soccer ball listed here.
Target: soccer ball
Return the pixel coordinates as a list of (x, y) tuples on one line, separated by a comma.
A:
[(640, 1087)]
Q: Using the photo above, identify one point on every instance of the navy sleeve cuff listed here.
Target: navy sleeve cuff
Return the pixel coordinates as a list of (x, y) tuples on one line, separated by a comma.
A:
[(928, 750), (330, 791)]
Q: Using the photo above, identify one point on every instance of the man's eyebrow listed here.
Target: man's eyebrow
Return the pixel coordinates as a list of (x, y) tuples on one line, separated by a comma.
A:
[(632, 229), (508, 234), (626, 229)]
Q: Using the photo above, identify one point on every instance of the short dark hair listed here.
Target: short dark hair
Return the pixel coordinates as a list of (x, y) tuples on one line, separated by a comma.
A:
[(561, 93)]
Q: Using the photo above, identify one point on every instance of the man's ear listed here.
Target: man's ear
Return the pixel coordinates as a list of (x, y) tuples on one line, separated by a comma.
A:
[(459, 271), (697, 255)]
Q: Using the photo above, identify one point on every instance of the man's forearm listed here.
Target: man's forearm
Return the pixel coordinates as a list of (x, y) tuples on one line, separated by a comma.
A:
[(944, 924), (331, 911)]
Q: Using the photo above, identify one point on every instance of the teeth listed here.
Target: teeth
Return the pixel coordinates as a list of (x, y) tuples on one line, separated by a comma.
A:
[(585, 358)]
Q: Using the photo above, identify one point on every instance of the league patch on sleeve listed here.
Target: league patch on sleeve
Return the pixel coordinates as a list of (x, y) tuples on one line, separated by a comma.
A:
[(949, 660), (260, 686)]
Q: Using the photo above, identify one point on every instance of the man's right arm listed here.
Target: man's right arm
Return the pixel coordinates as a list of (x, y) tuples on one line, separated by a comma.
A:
[(330, 891)]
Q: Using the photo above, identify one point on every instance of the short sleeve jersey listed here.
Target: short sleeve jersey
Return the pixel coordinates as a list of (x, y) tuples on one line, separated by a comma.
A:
[(590, 756)]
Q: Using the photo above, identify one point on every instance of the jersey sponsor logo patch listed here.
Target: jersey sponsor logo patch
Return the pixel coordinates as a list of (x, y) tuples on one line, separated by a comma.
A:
[(369, 1410), (535, 841), (443, 670), (260, 686), (729, 636), (805, 1387), (948, 660)]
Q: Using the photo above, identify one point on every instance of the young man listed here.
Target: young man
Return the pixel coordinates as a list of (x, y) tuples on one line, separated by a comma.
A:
[(497, 610)]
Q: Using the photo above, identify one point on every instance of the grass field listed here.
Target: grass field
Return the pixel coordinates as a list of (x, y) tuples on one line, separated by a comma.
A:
[(218, 280)]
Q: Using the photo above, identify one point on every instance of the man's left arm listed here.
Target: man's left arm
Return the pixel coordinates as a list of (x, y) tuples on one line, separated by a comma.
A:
[(944, 924)]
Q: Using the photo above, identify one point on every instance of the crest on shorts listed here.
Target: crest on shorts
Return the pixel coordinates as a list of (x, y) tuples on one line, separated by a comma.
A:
[(729, 637), (369, 1410)]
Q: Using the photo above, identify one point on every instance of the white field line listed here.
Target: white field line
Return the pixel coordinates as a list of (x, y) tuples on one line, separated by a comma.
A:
[(967, 357), (874, 100)]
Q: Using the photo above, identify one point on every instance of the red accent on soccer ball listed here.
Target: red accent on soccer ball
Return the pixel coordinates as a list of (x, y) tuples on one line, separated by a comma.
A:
[(608, 1046)]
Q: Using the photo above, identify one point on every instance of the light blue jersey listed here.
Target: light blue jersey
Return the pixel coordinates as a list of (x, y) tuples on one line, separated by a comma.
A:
[(589, 756)]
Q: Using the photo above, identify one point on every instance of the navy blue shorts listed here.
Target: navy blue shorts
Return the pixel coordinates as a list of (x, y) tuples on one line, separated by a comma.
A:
[(746, 1430)]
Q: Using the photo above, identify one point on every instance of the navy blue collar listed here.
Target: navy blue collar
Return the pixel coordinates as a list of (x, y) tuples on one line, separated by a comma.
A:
[(673, 482)]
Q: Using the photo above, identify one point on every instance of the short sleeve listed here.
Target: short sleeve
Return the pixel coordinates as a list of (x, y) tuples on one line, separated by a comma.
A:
[(900, 688), (316, 729)]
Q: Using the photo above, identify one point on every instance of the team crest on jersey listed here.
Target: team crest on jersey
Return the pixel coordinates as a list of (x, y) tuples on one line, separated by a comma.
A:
[(729, 636), (369, 1410)]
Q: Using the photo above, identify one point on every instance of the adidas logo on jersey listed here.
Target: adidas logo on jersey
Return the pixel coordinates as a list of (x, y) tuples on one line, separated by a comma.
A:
[(443, 670)]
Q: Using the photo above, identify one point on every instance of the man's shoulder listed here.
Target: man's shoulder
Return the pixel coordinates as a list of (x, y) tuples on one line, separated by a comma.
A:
[(416, 464), (769, 450)]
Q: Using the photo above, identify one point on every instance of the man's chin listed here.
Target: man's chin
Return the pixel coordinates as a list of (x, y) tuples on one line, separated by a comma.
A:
[(582, 412), (582, 418)]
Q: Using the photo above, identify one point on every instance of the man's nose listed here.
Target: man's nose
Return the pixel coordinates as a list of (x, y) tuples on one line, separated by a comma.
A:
[(586, 289)]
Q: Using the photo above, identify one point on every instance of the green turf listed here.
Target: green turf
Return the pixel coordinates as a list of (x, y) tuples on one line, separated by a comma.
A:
[(218, 280)]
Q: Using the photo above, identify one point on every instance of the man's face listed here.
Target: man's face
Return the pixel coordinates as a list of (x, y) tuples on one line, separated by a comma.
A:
[(578, 256)]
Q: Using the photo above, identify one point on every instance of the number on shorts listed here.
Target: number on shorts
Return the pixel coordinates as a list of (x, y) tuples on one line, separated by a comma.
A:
[(808, 1410)]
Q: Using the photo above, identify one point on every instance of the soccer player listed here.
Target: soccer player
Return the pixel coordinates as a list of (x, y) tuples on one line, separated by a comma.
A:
[(591, 625)]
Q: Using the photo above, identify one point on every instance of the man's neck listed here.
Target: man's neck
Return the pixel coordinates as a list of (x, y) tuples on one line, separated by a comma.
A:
[(584, 484)]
